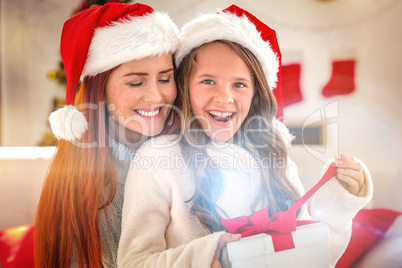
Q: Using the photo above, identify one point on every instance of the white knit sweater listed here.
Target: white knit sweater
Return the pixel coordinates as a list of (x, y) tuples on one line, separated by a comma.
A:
[(158, 229)]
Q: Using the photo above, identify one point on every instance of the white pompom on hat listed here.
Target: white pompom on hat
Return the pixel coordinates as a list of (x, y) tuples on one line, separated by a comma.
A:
[(100, 38)]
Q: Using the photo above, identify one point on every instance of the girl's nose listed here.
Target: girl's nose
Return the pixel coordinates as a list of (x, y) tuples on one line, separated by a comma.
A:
[(224, 95)]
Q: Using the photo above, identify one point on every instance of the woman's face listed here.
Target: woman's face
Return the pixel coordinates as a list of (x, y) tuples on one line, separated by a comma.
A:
[(139, 94), (221, 90)]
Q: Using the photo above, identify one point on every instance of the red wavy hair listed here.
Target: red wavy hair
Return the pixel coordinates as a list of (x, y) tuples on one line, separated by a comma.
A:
[(74, 189)]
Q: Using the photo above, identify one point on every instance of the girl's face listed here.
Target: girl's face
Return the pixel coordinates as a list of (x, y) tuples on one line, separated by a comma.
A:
[(138, 91), (221, 90)]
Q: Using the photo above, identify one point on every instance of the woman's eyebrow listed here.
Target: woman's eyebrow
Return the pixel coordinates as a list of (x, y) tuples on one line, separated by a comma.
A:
[(144, 74), (166, 71), (141, 74)]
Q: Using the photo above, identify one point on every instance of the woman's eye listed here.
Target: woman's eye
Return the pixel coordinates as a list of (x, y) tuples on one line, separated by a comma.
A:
[(239, 85), (208, 82), (164, 80), (135, 84)]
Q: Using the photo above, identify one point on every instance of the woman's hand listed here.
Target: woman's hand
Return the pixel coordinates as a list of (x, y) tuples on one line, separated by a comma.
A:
[(225, 238), (350, 174)]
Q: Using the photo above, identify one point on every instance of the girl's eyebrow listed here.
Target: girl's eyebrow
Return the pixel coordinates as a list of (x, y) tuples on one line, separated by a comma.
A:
[(238, 78), (205, 75), (144, 74), (242, 79)]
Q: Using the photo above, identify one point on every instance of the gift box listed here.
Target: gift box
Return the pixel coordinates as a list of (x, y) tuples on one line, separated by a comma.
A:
[(311, 249), (279, 241)]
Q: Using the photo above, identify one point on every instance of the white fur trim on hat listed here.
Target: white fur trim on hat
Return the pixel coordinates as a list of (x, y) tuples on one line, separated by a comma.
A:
[(135, 38), (68, 123), (227, 26)]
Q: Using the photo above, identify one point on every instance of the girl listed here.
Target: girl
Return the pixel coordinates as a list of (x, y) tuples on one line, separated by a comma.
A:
[(232, 159), (123, 53)]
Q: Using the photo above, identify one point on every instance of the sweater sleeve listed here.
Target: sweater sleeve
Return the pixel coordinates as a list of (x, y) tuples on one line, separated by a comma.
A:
[(336, 207), (146, 216)]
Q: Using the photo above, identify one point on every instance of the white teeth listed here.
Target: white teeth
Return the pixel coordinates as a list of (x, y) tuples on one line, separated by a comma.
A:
[(149, 114), (218, 114)]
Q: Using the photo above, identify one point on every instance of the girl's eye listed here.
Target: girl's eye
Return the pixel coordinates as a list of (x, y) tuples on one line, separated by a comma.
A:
[(239, 85), (208, 82)]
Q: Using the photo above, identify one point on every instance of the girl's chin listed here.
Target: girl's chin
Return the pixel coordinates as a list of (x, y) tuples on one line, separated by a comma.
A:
[(221, 136)]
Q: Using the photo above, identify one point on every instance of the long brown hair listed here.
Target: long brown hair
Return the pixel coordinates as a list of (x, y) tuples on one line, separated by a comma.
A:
[(276, 193), (75, 189)]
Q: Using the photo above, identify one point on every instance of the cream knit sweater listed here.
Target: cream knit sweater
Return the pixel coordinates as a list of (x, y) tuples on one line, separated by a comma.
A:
[(158, 229)]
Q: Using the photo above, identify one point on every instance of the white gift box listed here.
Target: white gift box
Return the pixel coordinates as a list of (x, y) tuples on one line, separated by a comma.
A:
[(311, 250)]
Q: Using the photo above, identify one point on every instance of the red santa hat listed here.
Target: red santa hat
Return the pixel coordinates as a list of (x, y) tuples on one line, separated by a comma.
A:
[(238, 25), (100, 38)]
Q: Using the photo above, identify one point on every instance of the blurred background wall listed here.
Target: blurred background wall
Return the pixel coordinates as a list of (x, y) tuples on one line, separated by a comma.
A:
[(366, 122)]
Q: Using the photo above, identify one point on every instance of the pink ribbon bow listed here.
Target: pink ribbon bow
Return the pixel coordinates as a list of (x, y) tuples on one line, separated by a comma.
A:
[(281, 224), (259, 222)]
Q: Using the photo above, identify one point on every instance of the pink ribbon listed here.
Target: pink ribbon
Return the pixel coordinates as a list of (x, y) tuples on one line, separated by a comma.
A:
[(281, 224)]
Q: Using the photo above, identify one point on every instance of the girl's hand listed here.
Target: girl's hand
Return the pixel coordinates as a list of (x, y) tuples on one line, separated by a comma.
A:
[(225, 238), (350, 174)]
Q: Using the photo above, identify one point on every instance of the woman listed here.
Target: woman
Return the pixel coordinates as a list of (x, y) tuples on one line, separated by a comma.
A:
[(123, 54)]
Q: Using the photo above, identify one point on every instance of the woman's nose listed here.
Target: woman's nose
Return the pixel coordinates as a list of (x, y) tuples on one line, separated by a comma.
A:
[(153, 94)]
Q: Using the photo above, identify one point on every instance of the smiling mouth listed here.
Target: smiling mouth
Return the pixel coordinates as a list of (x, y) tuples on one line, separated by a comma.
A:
[(221, 117), (148, 113)]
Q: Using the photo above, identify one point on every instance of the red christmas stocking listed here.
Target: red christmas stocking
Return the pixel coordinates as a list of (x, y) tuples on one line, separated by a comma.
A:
[(291, 84), (342, 80)]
